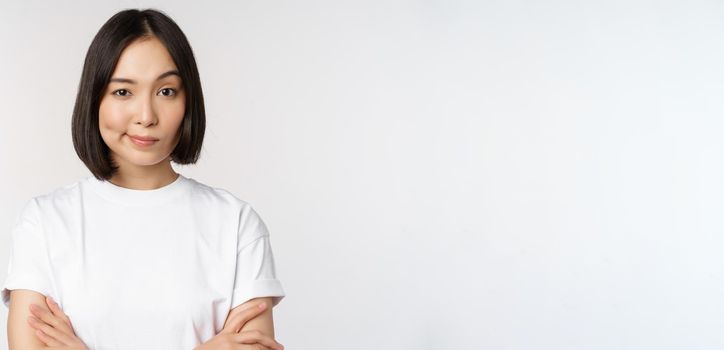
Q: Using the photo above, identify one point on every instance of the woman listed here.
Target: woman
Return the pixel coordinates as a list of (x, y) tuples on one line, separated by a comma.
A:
[(139, 256)]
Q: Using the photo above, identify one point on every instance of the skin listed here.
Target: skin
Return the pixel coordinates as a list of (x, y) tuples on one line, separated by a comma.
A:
[(148, 107), (154, 107), (49, 327)]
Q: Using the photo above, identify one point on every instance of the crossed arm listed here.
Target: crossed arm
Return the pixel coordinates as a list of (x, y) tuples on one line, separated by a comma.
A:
[(22, 336)]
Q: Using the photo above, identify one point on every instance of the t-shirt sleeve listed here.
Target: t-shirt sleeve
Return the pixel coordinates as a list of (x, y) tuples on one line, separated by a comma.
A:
[(28, 266), (255, 271)]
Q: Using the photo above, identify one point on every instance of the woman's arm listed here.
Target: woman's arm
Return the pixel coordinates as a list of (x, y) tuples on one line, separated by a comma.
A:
[(264, 323), (20, 335)]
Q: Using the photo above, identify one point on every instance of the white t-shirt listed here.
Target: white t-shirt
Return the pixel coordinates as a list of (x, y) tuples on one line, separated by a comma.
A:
[(142, 269)]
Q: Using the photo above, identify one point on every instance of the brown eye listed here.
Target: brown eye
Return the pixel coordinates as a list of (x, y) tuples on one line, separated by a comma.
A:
[(123, 92), (171, 92)]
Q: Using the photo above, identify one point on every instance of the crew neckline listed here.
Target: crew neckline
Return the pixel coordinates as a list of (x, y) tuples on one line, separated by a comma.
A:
[(133, 197)]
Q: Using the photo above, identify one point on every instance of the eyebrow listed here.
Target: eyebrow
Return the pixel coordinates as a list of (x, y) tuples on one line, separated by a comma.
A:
[(131, 81)]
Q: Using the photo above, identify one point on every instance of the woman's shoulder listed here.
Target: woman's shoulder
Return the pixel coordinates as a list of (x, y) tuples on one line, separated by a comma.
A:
[(70, 196), (215, 194), (63, 194)]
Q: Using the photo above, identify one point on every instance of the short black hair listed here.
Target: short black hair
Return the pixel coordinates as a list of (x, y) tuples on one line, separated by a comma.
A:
[(115, 35)]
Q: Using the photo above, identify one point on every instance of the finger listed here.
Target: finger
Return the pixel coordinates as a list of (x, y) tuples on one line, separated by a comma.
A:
[(243, 317), (256, 337), (255, 346), (59, 338), (45, 315), (49, 341), (252, 337), (58, 312)]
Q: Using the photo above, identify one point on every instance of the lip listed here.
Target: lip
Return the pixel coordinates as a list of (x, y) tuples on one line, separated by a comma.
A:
[(142, 140)]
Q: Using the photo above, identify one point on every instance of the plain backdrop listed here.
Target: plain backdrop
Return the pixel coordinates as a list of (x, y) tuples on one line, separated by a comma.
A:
[(435, 174)]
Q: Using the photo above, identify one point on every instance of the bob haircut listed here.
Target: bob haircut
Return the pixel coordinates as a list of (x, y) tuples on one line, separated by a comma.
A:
[(100, 61)]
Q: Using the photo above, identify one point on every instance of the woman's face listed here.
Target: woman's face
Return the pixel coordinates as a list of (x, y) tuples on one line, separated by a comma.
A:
[(144, 98)]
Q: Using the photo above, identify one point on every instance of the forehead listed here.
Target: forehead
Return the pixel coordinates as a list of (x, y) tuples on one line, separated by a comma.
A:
[(144, 59)]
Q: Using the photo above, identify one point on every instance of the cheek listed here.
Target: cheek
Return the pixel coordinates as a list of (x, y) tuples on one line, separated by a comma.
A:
[(110, 118), (175, 113)]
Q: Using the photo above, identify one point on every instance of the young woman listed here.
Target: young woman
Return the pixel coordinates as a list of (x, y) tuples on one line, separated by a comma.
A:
[(137, 255)]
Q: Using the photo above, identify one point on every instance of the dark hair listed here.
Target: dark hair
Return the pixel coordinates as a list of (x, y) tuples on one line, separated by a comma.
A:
[(100, 62)]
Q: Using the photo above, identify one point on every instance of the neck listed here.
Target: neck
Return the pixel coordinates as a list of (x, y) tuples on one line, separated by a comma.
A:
[(148, 177)]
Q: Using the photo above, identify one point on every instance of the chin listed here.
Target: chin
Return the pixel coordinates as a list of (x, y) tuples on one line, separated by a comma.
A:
[(143, 161), (147, 162)]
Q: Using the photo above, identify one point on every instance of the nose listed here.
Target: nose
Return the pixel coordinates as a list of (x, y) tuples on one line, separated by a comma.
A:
[(146, 114)]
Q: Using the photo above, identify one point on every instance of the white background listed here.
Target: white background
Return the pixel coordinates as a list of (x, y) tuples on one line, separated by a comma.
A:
[(435, 174)]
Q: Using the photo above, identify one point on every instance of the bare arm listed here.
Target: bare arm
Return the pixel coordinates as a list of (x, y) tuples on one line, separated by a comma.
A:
[(20, 335), (264, 323)]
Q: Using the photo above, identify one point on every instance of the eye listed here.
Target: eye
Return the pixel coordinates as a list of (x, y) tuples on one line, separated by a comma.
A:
[(123, 92), (172, 92)]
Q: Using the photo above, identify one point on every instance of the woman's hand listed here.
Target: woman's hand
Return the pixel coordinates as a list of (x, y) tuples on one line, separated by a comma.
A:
[(54, 328), (231, 338)]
